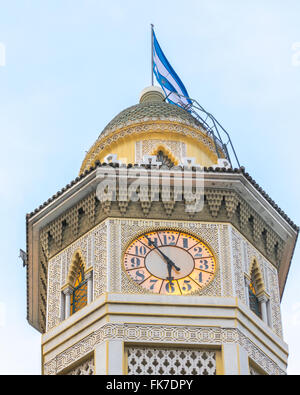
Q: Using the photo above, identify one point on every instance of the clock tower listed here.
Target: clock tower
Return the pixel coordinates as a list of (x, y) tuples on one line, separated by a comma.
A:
[(126, 276)]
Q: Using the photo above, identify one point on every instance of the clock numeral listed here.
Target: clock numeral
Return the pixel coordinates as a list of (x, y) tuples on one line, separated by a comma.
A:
[(207, 264), (135, 262), (154, 241), (153, 283), (203, 264), (169, 240), (170, 288), (142, 250), (189, 287), (200, 279), (198, 251), (139, 276), (185, 242)]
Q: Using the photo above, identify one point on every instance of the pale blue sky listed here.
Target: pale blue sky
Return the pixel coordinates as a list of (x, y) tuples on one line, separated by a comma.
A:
[(72, 65)]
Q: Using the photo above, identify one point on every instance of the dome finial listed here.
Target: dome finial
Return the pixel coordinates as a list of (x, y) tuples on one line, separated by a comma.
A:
[(152, 93)]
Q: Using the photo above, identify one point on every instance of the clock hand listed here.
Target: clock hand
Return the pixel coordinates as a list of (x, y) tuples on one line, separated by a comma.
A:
[(169, 262), (170, 278)]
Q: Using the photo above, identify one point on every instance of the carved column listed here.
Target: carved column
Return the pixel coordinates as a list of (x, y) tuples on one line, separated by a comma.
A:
[(89, 277), (247, 284), (67, 292), (263, 306)]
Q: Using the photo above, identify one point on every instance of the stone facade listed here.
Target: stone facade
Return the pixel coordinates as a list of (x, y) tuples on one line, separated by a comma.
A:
[(220, 206), (102, 249), (123, 328), (109, 276)]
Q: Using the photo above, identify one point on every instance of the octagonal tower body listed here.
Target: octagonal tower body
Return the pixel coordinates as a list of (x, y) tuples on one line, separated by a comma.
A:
[(96, 318)]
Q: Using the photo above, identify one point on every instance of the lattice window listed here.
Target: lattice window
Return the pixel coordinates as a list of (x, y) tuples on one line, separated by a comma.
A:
[(86, 368), (170, 361), (256, 288), (253, 299), (79, 294)]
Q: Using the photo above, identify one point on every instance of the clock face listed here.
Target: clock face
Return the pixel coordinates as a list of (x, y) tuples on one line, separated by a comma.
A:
[(169, 262)]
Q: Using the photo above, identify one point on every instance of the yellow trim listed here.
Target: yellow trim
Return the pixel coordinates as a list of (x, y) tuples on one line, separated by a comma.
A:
[(107, 356), (124, 359), (175, 315), (219, 363), (238, 358), (100, 149), (42, 360), (127, 302), (140, 323)]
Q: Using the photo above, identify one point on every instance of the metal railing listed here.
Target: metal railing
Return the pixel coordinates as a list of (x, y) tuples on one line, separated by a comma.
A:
[(213, 129)]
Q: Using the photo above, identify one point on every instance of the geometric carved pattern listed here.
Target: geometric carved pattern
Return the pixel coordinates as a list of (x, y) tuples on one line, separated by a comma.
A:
[(144, 128), (85, 368), (225, 259), (169, 361), (54, 292), (200, 336), (275, 303), (228, 282), (61, 265), (100, 265), (238, 265), (78, 220)]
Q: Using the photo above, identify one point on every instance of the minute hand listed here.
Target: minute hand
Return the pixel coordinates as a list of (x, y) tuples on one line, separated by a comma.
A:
[(166, 258)]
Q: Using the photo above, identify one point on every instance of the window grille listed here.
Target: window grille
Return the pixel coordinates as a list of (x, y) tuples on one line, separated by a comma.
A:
[(79, 294), (170, 361)]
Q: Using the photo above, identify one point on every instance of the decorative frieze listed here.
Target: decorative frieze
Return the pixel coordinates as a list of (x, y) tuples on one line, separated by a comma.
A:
[(146, 146), (160, 334)]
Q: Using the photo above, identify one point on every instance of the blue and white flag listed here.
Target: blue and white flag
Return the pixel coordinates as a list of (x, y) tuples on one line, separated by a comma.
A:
[(167, 77)]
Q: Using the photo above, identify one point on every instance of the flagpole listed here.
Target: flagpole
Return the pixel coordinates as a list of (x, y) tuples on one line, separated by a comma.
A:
[(152, 81)]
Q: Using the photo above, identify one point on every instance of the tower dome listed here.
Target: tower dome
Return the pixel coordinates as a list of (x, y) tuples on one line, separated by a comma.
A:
[(152, 126)]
